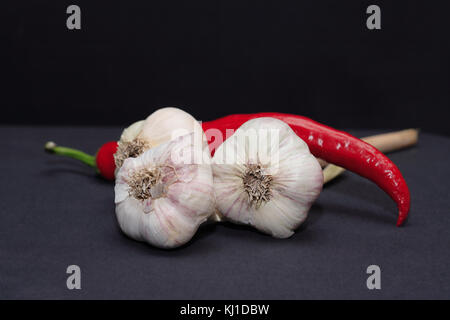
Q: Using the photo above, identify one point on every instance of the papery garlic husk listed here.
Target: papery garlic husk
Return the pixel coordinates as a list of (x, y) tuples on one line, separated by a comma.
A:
[(265, 176), (163, 195), (131, 132), (161, 126)]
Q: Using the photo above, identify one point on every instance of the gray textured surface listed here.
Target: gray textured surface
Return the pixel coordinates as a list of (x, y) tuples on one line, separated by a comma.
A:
[(55, 212)]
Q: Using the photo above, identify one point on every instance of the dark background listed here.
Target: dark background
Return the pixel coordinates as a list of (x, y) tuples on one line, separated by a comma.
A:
[(315, 58), (213, 58)]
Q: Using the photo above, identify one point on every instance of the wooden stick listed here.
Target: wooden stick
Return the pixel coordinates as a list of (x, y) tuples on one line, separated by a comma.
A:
[(386, 142)]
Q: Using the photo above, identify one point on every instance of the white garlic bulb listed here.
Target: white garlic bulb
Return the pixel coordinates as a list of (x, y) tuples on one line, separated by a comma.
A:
[(163, 125), (265, 176), (163, 195)]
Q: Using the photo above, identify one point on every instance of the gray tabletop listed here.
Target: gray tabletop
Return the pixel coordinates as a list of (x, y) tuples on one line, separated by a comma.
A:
[(55, 212)]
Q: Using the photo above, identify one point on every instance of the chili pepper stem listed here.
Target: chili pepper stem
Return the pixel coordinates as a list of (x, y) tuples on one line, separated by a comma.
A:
[(88, 159)]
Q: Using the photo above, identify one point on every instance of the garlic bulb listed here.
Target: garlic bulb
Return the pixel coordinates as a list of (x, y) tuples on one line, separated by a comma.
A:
[(161, 126), (163, 195), (265, 176)]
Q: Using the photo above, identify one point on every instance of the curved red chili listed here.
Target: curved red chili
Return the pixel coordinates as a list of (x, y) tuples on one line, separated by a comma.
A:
[(103, 161), (333, 146)]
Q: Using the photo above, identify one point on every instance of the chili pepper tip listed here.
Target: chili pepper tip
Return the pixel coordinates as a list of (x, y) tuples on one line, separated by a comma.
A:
[(403, 214)]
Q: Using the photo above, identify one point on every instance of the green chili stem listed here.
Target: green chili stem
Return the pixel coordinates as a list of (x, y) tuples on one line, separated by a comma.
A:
[(71, 153)]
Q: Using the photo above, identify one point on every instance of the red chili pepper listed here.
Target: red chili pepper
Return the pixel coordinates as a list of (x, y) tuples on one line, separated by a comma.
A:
[(103, 161), (333, 146)]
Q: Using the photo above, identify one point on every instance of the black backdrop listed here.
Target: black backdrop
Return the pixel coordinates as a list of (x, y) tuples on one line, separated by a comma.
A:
[(311, 57)]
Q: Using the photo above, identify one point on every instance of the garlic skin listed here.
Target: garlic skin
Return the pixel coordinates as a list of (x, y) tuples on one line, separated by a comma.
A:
[(267, 183), (162, 196), (131, 132), (167, 124), (163, 125)]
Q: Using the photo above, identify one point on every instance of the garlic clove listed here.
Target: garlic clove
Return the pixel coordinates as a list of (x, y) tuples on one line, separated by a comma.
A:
[(131, 132), (167, 124), (162, 196), (128, 216), (285, 221), (265, 176), (166, 227), (231, 201)]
